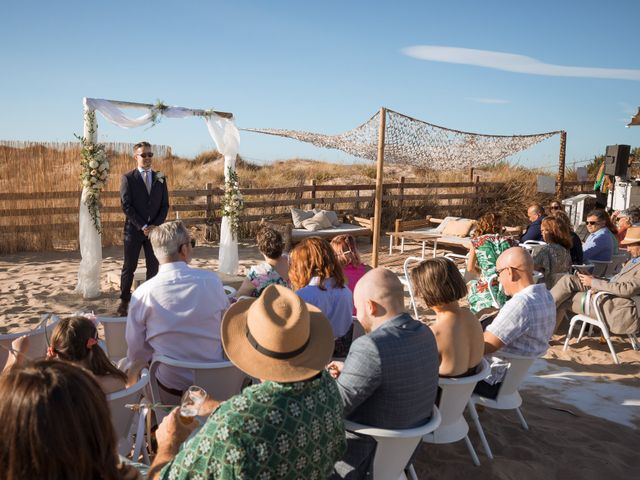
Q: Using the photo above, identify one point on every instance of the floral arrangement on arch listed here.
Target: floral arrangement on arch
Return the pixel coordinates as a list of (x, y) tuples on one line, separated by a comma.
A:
[(232, 201), (94, 174)]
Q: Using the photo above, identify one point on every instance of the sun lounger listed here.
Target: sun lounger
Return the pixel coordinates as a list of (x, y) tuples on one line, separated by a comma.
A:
[(420, 231)]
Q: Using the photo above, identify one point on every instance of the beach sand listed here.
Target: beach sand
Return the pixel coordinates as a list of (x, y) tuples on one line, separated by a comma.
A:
[(583, 411)]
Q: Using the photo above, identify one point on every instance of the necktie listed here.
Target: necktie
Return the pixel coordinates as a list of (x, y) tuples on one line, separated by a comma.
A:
[(147, 180)]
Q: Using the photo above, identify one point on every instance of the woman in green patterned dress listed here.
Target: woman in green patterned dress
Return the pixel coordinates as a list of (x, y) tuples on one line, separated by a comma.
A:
[(486, 246)]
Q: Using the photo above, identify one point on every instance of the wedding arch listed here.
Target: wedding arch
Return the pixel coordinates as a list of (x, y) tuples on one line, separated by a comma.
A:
[(225, 135)]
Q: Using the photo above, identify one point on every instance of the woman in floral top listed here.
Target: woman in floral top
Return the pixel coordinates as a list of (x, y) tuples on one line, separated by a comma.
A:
[(274, 270), (486, 246)]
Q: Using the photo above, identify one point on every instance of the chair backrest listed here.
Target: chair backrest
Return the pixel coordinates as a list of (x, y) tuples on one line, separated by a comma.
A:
[(407, 277), (229, 291), (533, 242), (114, 336), (516, 373), (617, 261), (121, 416), (456, 393), (222, 380), (600, 267), (395, 447), (38, 340)]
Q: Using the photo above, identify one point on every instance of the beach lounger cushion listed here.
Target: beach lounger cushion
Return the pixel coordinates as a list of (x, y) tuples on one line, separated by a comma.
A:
[(319, 221), (458, 228), (298, 216)]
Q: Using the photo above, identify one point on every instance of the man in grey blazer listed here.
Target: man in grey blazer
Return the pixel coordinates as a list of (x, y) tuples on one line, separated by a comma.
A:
[(620, 310), (390, 377)]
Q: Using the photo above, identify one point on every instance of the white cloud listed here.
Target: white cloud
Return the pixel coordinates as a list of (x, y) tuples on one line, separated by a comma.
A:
[(513, 63), (490, 101)]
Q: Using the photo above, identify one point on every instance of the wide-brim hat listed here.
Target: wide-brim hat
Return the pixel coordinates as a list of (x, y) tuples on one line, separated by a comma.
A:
[(632, 236), (277, 336)]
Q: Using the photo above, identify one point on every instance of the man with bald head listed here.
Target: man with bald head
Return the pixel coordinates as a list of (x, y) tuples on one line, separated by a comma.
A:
[(390, 377), (534, 231), (524, 325)]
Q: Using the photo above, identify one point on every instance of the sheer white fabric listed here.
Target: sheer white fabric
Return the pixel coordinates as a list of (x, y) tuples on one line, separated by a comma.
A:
[(91, 252), (225, 135)]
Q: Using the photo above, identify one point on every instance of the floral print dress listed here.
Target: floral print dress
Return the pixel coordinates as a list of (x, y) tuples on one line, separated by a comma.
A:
[(263, 275), (488, 249)]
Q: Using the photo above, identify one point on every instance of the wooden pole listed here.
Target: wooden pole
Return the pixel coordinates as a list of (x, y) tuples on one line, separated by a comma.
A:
[(377, 211), (560, 179)]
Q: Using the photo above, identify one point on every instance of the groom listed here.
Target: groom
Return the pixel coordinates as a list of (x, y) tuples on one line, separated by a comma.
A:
[(145, 202)]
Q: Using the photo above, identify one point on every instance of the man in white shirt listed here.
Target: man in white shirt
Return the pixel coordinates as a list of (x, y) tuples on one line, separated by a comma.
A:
[(524, 325), (178, 312)]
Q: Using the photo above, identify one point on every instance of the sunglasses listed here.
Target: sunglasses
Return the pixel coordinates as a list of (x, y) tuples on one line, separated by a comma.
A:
[(146, 155), (191, 242), (555, 207), (592, 223)]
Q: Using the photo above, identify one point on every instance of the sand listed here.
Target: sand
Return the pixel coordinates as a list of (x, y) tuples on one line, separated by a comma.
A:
[(583, 410)]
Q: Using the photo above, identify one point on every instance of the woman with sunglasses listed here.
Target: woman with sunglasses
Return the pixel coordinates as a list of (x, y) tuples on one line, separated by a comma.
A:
[(601, 244)]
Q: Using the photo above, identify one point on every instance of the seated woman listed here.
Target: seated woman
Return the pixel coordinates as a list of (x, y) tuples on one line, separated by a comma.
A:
[(458, 333), (576, 243), (75, 340), (486, 246), (553, 259), (318, 279), (274, 270), (56, 423), (346, 250)]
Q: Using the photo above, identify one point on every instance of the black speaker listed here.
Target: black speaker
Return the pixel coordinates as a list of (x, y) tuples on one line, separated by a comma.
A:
[(616, 160)]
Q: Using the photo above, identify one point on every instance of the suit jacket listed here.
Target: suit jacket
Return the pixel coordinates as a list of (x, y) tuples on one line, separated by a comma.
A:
[(389, 380), (534, 231), (621, 311), (141, 207)]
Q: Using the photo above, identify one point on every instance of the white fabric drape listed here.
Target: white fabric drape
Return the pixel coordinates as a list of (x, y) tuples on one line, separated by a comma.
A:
[(225, 135), (91, 252)]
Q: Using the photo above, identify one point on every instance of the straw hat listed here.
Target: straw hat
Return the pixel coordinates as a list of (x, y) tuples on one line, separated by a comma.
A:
[(277, 336), (632, 236)]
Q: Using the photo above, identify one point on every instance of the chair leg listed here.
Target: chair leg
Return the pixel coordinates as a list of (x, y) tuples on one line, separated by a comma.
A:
[(472, 451), (523, 422), (606, 336), (412, 472), (474, 416), (634, 341), (584, 326), (566, 342)]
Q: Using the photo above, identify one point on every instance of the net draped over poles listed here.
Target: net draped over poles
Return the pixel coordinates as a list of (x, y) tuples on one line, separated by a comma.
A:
[(409, 141)]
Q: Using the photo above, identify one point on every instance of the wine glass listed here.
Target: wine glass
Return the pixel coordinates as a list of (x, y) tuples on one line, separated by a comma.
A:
[(192, 399)]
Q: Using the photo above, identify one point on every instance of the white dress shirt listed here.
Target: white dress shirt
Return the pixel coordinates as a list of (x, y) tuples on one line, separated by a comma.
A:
[(177, 313)]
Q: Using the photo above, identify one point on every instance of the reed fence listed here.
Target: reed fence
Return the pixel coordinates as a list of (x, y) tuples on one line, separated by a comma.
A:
[(45, 220)]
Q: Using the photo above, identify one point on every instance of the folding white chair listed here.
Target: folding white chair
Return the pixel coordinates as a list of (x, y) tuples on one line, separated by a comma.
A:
[(222, 380), (114, 336), (123, 418), (595, 318), (508, 397), (395, 447), (229, 291), (456, 393), (455, 258), (406, 281), (38, 339)]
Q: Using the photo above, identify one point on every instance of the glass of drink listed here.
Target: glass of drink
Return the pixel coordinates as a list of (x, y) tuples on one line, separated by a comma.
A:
[(192, 399)]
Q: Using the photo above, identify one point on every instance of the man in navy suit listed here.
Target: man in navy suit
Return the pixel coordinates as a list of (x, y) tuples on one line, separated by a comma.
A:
[(145, 202), (534, 231)]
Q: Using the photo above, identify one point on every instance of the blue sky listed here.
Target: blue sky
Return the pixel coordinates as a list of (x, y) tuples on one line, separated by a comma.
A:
[(323, 67)]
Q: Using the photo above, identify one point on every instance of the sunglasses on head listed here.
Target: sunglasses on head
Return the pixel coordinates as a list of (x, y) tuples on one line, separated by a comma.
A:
[(146, 155)]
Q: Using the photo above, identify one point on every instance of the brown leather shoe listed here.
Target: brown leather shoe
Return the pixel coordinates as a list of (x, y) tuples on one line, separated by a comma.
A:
[(123, 309)]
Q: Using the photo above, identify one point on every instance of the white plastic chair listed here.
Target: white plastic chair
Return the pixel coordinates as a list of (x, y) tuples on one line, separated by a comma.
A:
[(38, 339), (114, 336), (596, 318), (508, 396), (123, 418), (222, 380), (456, 393), (229, 291), (395, 447), (455, 257), (407, 282)]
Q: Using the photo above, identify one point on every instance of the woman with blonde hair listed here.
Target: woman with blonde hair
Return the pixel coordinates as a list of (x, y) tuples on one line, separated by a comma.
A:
[(318, 279), (554, 257), (486, 246), (346, 250)]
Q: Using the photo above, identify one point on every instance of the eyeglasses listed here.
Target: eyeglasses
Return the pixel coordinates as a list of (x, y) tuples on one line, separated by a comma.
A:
[(191, 242), (592, 223), (146, 155), (555, 207), (498, 272)]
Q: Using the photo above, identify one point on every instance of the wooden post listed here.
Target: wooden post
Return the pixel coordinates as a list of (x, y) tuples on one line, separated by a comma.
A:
[(560, 178), (208, 235), (313, 193), (471, 174), (377, 209), (401, 191), (357, 204)]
